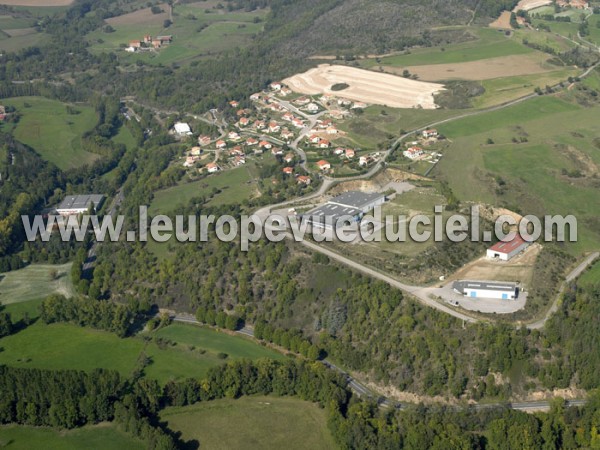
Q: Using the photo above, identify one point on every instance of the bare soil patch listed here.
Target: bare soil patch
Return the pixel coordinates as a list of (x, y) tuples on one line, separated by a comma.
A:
[(141, 17), (366, 86), (37, 2), (502, 22), (518, 268), (485, 69)]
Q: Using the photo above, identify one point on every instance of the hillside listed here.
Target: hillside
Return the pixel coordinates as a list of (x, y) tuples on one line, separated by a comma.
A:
[(364, 26)]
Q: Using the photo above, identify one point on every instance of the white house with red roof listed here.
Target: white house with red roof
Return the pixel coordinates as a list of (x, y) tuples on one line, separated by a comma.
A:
[(286, 134), (314, 139), (507, 249), (274, 127), (324, 143), (432, 132), (244, 122), (204, 140), (233, 135), (304, 179), (265, 144), (323, 165), (349, 153), (212, 167), (221, 143), (288, 170), (251, 141), (413, 152)]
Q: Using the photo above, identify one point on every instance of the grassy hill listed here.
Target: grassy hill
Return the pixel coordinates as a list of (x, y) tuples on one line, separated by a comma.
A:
[(52, 131), (262, 422)]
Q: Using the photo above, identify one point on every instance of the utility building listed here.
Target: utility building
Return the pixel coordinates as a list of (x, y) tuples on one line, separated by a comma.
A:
[(79, 204), (505, 250), (486, 289), (350, 205)]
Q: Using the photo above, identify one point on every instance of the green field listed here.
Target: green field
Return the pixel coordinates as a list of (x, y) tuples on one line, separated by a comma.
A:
[(262, 422), (488, 44), (590, 277), (65, 346), (34, 282), (204, 34), (235, 186), (559, 137), (46, 127), (101, 436)]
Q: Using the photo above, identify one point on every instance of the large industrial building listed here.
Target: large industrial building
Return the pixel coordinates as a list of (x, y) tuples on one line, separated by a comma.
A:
[(505, 250), (486, 289), (79, 204), (351, 204)]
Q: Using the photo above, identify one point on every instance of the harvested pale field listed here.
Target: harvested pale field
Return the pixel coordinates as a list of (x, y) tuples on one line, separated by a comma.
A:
[(527, 5), (484, 69), (366, 86), (37, 2), (502, 22), (141, 17)]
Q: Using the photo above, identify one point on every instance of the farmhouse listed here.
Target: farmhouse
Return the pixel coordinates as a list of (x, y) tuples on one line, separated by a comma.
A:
[(276, 86), (505, 250), (486, 289), (430, 133), (79, 204), (135, 44), (182, 129), (365, 160)]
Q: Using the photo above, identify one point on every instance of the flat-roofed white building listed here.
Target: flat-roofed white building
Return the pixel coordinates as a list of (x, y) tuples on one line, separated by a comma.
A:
[(486, 289), (79, 204)]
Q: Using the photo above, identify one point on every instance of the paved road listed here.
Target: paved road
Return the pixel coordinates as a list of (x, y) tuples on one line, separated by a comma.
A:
[(362, 391)]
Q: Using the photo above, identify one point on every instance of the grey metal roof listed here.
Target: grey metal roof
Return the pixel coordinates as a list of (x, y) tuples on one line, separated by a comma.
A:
[(331, 212), (461, 285), (356, 199), (80, 201)]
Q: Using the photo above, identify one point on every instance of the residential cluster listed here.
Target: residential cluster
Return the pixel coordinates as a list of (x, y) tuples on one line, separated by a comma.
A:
[(418, 150)]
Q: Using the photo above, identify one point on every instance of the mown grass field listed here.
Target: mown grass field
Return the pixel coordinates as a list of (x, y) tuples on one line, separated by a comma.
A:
[(261, 422), (101, 436), (590, 277), (34, 281), (529, 177), (65, 346), (46, 127), (198, 30)]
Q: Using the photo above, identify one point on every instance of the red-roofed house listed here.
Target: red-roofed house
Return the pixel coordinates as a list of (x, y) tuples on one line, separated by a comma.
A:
[(430, 133), (204, 140), (288, 116), (234, 103), (244, 121), (265, 144), (212, 167), (221, 143), (289, 157), (304, 179), (505, 250), (288, 170), (287, 134), (135, 44), (273, 127), (324, 143), (349, 153), (323, 165), (413, 152), (251, 141), (314, 139)]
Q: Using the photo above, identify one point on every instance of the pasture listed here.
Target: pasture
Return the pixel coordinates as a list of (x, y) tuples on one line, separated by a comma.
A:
[(52, 131), (92, 437), (256, 422), (36, 3), (233, 185), (484, 163), (35, 281), (198, 29), (191, 351), (590, 277), (366, 86)]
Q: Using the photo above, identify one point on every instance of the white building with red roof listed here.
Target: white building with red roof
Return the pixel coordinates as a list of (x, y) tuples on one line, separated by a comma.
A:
[(507, 249)]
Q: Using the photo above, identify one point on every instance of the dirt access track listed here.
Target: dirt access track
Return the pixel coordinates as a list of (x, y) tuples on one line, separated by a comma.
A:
[(37, 2), (366, 86)]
